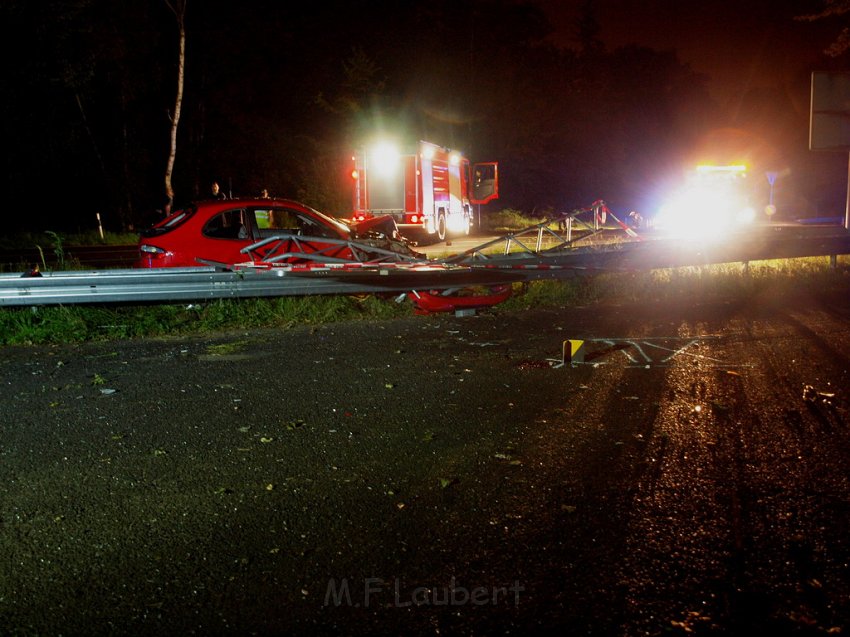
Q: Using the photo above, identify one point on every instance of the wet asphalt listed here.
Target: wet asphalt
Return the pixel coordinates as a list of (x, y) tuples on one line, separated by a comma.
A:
[(438, 475)]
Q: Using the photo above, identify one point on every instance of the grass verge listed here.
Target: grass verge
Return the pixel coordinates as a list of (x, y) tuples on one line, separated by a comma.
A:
[(507, 220), (50, 240), (689, 284), (71, 324)]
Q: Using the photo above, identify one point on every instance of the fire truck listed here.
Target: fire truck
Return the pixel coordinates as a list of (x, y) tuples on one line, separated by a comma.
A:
[(429, 191)]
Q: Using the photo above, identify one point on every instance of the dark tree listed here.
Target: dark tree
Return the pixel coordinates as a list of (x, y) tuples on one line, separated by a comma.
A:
[(278, 95), (178, 8)]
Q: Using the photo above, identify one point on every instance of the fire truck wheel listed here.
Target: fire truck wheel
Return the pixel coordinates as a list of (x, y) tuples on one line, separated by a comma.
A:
[(467, 224), (441, 225)]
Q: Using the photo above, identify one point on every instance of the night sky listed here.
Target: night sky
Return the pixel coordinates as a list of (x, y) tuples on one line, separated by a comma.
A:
[(276, 96), (740, 45)]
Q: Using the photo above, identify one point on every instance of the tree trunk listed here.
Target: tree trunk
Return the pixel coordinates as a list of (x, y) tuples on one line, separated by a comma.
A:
[(179, 9)]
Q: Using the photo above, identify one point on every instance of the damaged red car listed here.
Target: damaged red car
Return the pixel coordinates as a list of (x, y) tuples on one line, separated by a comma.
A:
[(218, 232)]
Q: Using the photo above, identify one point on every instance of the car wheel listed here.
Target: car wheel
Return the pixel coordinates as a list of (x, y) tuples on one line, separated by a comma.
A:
[(441, 225)]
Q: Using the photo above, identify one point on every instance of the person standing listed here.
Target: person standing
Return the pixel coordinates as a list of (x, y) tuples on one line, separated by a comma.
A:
[(217, 192)]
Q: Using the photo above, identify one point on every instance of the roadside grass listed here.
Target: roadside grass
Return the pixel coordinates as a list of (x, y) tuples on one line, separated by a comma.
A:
[(508, 220), (49, 325), (72, 324), (735, 281), (55, 250), (48, 239), (511, 220)]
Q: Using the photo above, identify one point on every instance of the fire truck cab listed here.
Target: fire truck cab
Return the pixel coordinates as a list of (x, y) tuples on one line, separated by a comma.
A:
[(429, 191)]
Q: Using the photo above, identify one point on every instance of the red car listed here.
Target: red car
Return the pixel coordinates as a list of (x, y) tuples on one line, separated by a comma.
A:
[(217, 231)]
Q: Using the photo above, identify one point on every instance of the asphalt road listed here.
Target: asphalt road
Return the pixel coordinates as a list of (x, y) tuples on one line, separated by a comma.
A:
[(438, 475)]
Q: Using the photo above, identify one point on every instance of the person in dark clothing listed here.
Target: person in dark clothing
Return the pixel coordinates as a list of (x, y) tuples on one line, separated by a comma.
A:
[(217, 192)]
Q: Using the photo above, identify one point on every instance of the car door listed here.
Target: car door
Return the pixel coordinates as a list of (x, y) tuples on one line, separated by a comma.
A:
[(225, 234)]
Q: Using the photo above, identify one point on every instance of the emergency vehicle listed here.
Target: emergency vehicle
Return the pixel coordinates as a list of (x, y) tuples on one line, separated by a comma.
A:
[(713, 200), (429, 190)]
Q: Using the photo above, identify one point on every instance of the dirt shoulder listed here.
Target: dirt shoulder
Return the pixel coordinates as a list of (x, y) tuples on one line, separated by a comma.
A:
[(435, 474)]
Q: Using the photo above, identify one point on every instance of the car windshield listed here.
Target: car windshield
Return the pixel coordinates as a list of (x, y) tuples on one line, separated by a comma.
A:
[(168, 224), (283, 219), (342, 227)]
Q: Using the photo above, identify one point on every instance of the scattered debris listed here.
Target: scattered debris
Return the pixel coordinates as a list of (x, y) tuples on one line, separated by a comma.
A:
[(534, 364), (508, 457), (811, 395), (691, 621), (639, 352)]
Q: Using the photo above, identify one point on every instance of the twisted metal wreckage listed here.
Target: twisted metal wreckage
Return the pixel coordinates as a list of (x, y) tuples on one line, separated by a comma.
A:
[(288, 265)]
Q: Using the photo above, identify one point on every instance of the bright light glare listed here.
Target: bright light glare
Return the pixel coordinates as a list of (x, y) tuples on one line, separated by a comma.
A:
[(746, 215), (454, 159), (703, 212), (384, 159), (711, 168), (455, 223)]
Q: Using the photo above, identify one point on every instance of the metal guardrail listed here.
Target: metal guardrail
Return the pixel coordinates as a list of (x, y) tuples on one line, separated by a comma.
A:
[(273, 278), (371, 270), (168, 285)]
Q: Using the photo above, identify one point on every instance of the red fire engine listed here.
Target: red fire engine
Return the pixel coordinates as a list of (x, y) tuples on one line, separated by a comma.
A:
[(428, 191)]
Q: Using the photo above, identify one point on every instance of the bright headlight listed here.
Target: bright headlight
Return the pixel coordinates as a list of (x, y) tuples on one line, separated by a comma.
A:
[(697, 213)]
